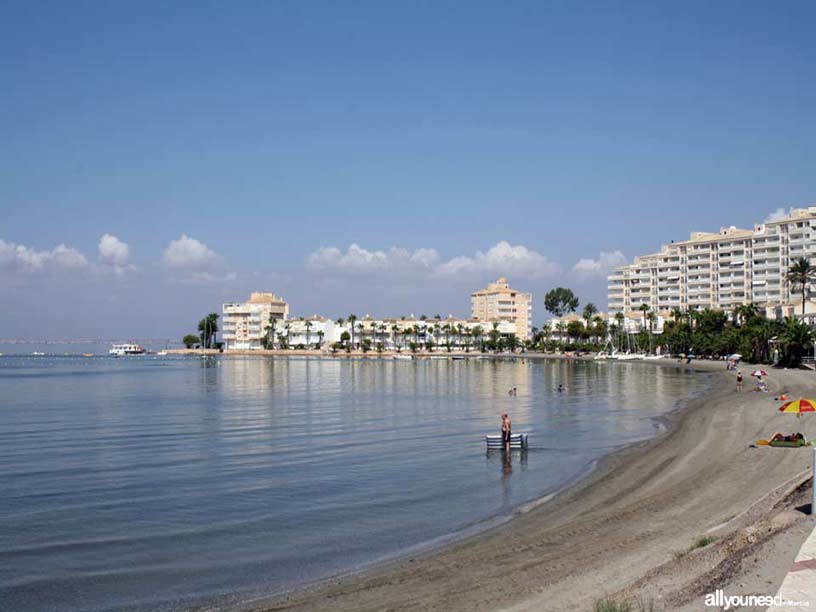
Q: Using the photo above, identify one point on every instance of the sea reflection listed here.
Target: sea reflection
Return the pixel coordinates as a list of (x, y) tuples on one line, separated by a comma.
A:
[(242, 475)]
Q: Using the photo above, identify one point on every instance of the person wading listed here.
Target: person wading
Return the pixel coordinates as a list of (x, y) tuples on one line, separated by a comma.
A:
[(505, 428)]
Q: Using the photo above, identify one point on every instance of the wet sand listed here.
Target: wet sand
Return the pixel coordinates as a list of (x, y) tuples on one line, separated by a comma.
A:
[(618, 532)]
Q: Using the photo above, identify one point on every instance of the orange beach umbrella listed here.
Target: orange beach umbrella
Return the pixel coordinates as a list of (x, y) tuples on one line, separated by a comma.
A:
[(799, 406)]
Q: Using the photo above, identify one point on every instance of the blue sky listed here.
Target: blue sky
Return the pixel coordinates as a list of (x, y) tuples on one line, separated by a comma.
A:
[(225, 147)]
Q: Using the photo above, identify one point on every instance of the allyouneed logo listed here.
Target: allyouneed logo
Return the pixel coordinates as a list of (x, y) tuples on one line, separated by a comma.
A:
[(720, 600)]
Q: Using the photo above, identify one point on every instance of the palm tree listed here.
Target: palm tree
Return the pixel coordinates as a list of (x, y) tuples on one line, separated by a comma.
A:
[(270, 330), (801, 274), (652, 316), (394, 330), (320, 334), (619, 321), (560, 328), (796, 338), (644, 308), (589, 311), (308, 333), (208, 326), (477, 332), (352, 318)]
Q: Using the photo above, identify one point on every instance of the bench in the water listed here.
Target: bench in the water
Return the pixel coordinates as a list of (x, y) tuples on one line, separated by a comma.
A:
[(516, 441)]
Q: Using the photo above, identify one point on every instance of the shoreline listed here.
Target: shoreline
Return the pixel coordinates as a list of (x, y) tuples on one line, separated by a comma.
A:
[(525, 562)]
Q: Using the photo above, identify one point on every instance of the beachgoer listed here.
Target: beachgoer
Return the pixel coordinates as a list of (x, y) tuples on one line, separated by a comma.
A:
[(505, 428), (739, 380), (560, 388)]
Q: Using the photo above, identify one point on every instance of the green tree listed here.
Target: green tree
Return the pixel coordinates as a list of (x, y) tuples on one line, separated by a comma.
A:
[(208, 328), (560, 301), (589, 311), (308, 333), (574, 331), (190, 340), (394, 330), (270, 331), (352, 319), (644, 308), (796, 339), (801, 274)]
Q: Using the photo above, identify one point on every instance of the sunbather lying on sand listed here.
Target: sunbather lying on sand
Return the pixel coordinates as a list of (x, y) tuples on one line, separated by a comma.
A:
[(778, 437)]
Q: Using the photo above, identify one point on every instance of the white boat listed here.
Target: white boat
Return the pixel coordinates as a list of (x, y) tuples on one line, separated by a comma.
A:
[(406, 357), (629, 357), (653, 357), (120, 350), (38, 353), (161, 353)]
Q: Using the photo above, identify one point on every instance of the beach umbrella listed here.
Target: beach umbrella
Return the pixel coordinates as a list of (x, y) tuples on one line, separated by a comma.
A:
[(759, 373), (735, 356), (799, 406)]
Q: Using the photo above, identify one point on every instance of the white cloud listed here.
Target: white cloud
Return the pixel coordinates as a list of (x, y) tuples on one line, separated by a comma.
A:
[(115, 253), (196, 261), (360, 260), (501, 259), (602, 266), (189, 253), (20, 258), (777, 215)]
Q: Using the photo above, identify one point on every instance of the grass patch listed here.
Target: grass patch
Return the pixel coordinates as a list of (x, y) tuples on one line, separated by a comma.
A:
[(608, 604), (700, 542)]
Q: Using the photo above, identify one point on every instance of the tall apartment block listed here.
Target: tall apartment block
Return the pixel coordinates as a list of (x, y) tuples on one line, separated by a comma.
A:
[(721, 270), (498, 302), (243, 324)]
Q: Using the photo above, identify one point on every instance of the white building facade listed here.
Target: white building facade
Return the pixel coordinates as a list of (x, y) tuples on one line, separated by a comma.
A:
[(244, 324), (721, 270)]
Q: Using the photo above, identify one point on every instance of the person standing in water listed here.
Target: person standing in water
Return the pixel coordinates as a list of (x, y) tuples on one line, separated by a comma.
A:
[(505, 429)]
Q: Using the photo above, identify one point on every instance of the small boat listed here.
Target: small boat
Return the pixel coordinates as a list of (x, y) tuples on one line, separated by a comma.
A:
[(405, 357), (458, 357), (87, 354), (629, 357), (38, 354), (120, 350), (161, 353), (653, 357), (495, 442)]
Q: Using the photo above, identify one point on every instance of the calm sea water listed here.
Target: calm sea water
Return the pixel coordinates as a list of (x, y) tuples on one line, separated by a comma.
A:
[(152, 483)]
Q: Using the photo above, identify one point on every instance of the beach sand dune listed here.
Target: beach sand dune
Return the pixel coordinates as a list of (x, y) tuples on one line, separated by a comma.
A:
[(622, 531)]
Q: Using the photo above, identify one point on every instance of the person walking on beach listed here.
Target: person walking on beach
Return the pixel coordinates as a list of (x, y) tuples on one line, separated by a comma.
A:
[(739, 380), (505, 429)]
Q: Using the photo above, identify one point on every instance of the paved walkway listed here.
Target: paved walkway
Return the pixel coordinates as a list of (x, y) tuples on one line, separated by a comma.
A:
[(799, 586)]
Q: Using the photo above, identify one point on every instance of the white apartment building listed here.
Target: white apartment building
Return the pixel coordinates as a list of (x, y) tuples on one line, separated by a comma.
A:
[(721, 270), (243, 324), (499, 302), (307, 332)]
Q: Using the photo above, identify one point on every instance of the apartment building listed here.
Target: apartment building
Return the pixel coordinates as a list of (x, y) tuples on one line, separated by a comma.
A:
[(721, 270), (498, 302), (243, 324)]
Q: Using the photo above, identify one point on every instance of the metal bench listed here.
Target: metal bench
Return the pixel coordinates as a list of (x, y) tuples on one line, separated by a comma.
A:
[(495, 442)]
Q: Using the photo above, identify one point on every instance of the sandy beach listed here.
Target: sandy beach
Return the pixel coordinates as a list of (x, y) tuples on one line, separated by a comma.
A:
[(623, 530)]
